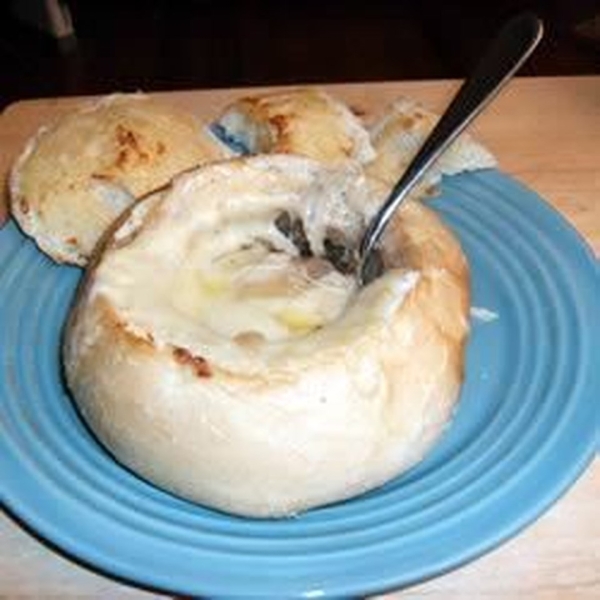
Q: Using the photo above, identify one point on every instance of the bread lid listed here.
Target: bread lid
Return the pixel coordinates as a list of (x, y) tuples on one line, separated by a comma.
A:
[(306, 121), (75, 176), (398, 135)]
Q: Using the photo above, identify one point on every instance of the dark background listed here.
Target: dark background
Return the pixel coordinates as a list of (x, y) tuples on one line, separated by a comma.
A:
[(126, 45)]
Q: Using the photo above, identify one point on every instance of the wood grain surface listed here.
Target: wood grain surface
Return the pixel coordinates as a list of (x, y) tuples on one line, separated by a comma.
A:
[(546, 133)]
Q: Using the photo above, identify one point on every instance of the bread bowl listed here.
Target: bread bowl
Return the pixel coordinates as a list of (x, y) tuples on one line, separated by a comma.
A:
[(75, 176), (216, 361)]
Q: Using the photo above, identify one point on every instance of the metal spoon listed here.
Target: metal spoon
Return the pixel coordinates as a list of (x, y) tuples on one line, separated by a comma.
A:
[(507, 52)]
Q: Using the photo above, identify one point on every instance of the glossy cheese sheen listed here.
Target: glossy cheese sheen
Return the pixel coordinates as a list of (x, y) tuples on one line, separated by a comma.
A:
[(212, 280), (269, 295)]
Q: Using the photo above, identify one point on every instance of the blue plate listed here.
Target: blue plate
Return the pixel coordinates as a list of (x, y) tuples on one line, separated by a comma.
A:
[(525, 430)]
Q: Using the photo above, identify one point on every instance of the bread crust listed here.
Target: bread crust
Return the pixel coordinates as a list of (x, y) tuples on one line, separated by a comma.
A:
[(305, 121), (398, 134), (328, 417)]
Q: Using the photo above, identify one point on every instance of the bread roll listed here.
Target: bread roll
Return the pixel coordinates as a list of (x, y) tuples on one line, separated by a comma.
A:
[(305, 121), (216, 350), (400, 132), (74, 177)]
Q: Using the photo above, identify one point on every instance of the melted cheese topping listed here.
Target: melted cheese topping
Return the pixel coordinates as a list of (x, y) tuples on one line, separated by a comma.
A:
[(253, 289), (209, 270), (247, 279)]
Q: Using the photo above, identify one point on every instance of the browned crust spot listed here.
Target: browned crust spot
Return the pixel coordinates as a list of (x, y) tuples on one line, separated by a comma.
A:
[(72, 241), (249, 339), (102, 176), (358, 111), (348, 148), (142, 340), (24, 206), (251, 101), (281, 124), (146, 340), (200, 365), (419, 115), (130, 147), (408, 122)]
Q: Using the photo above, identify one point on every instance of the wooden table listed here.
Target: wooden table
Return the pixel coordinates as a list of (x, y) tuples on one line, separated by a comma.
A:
[(546, 133)]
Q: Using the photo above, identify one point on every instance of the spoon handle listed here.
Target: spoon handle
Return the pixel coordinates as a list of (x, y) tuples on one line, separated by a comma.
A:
[(507, 52)]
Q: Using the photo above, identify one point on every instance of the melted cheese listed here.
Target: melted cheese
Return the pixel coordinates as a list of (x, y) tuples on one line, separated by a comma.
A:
[(253, 289), (208, 270)]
